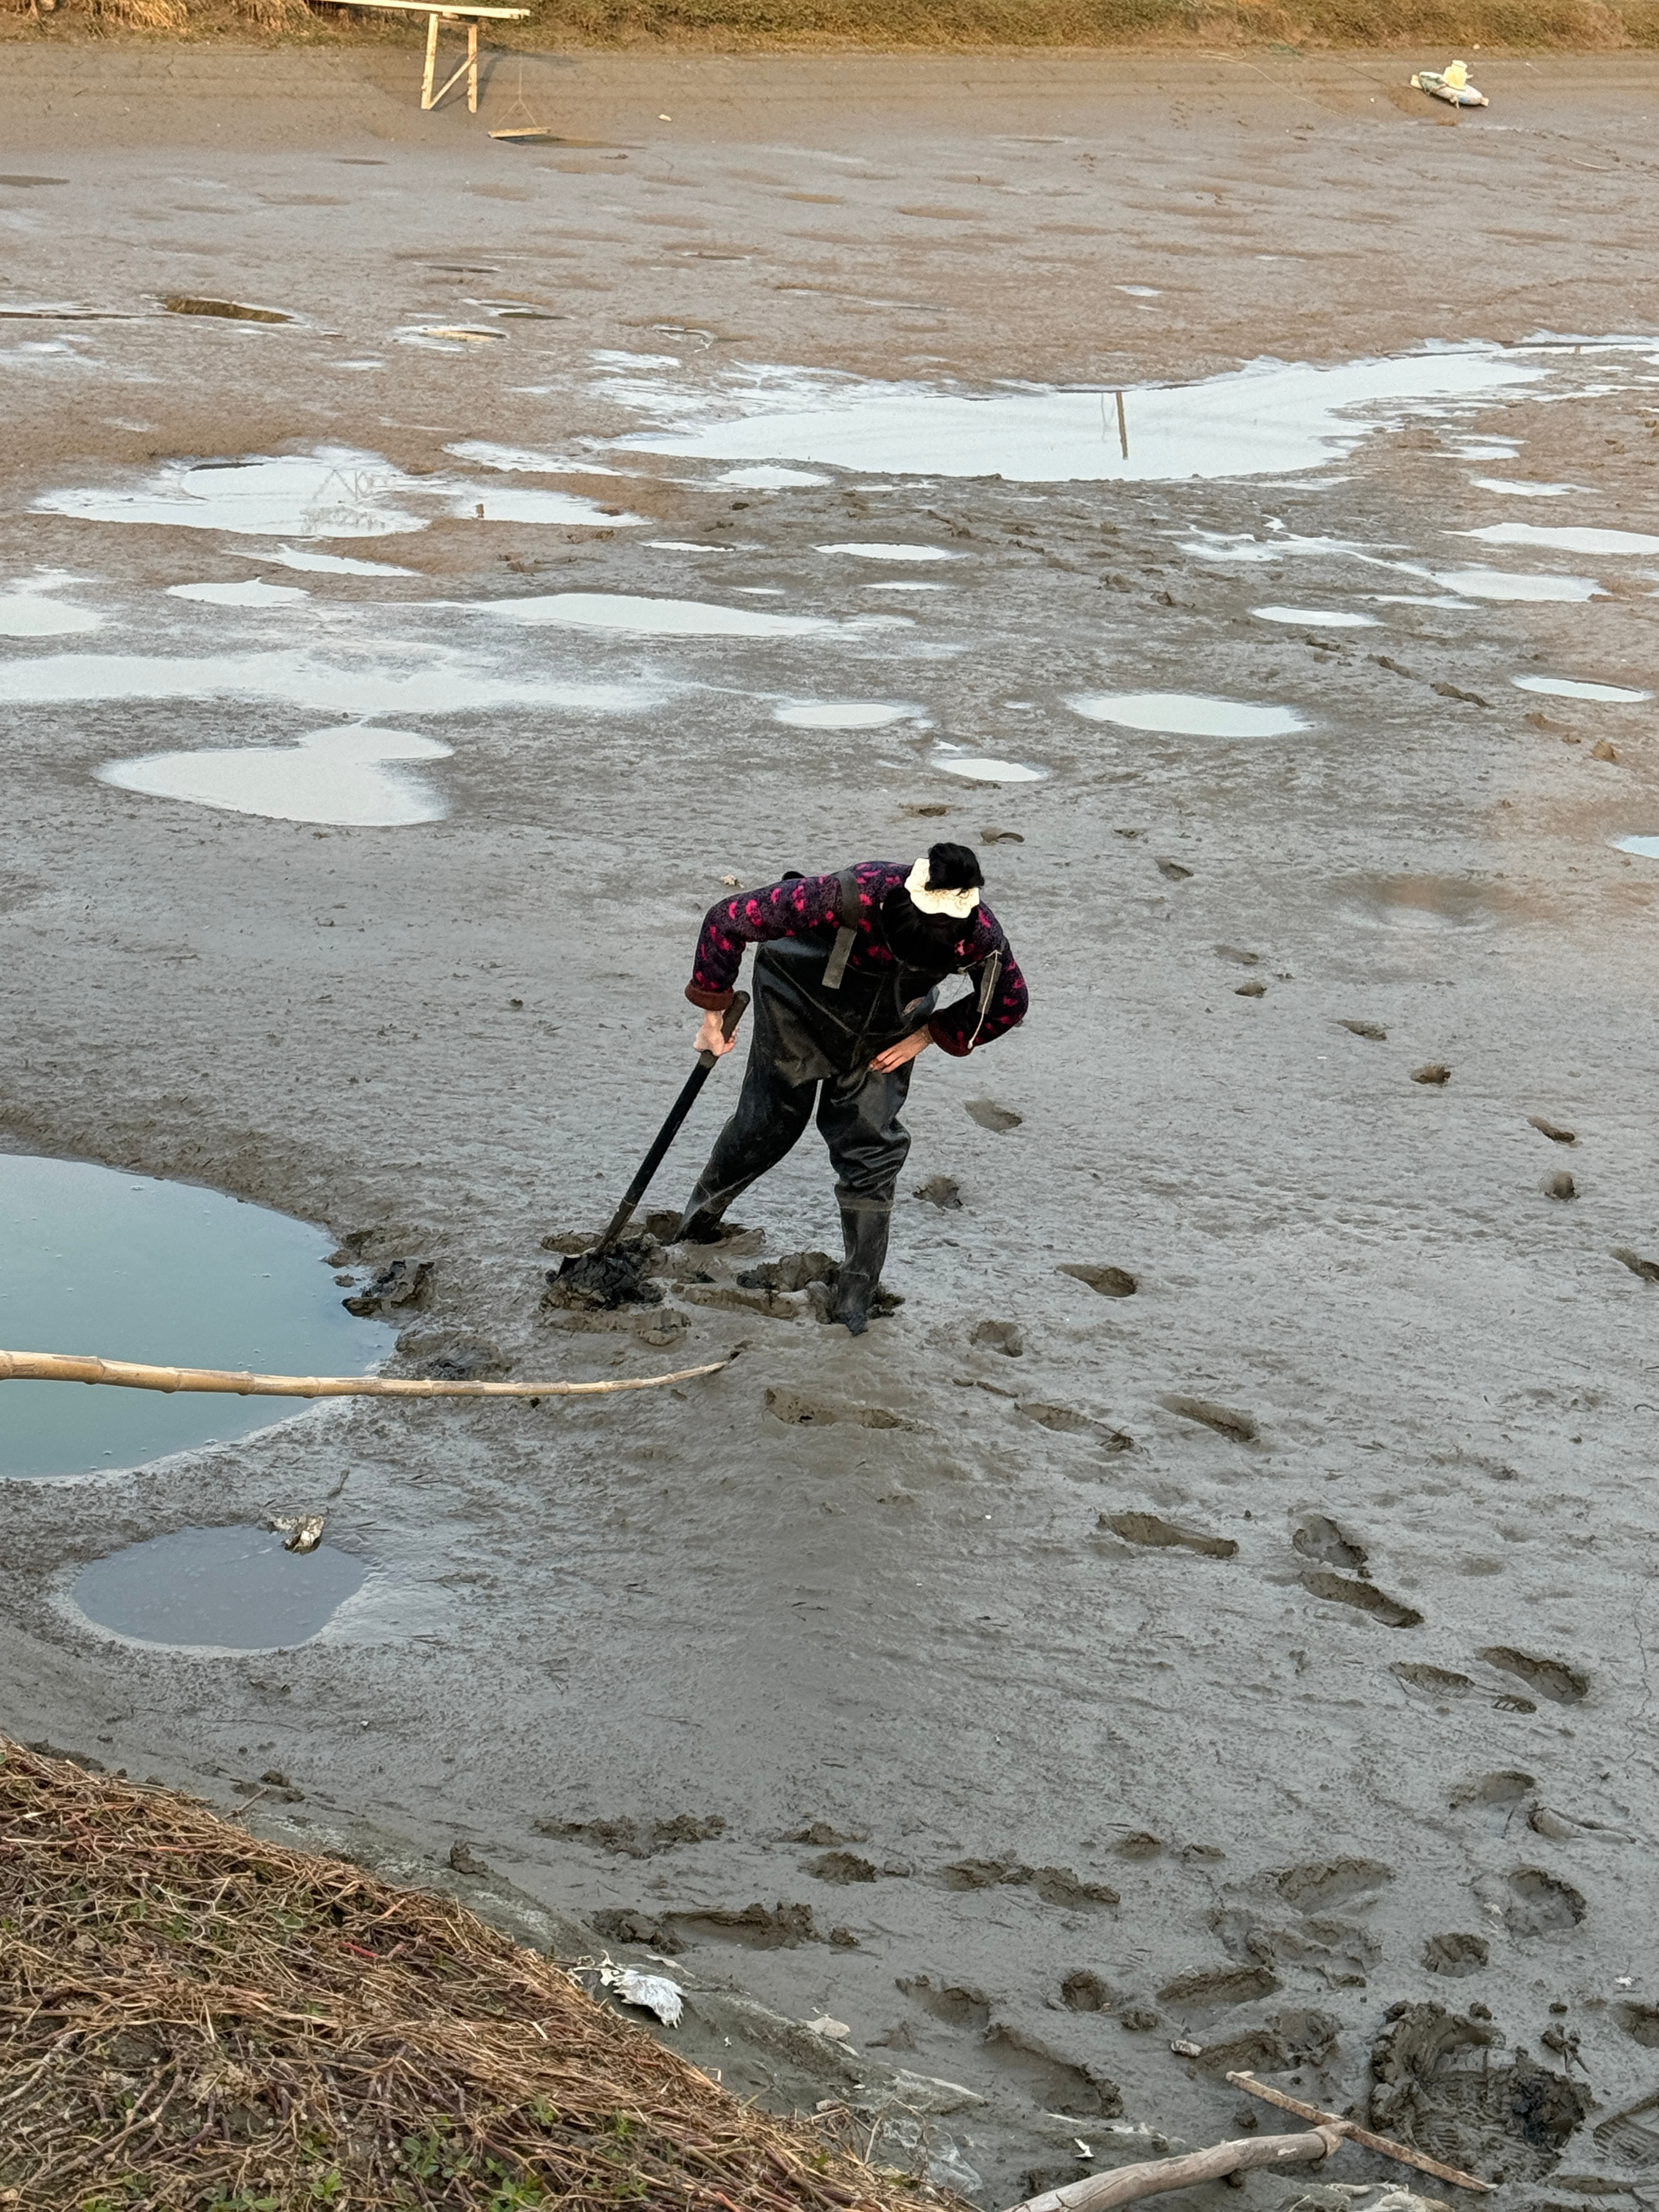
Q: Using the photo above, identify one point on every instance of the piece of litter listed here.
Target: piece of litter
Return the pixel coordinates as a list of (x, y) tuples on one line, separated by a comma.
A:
[(1451, 83), (731, 882), (304, 1531), (1186, 2050), (1083, 2150), (654, 1993), (834, 2031), (1625, 1982), (664, 119)]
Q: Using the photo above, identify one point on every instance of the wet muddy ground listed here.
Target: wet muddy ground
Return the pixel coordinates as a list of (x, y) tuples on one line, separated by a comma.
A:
[(1217, 1607)]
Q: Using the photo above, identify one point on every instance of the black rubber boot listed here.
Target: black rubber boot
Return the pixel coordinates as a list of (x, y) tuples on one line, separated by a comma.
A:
[(863, 1233), (700, 1224)]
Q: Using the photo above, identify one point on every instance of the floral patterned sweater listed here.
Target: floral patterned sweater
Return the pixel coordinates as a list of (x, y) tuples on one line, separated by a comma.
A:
[(809, 907)]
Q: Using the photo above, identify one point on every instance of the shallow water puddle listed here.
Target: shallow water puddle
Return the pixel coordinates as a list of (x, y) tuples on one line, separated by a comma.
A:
[(420, 680), (643, 617), (343, 776), (223, 1590), (1521, 490), (1509, 584), (893, 552), (252, 594), (335, 493), (1315, 618), (26, 611), (1186, 715), (524, 461), (509, 503), (979, 769), (765, 479), (1564, 541), (338, 564), (1570, 687), (1646, 848), (1268, 419), (844, 714), (99, 1260)]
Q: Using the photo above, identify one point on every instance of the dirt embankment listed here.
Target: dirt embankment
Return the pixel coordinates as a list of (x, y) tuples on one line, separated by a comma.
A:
[(787, 26)]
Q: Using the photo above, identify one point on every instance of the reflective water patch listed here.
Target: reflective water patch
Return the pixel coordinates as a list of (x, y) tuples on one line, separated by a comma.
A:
[(1570, 687), (843, 714), (1509, 584), (219, 1590), (644, 617), (1646, 848), (30, 613), (1186, 715), (1268, 419), (1563, 540), (979, 769), (1519, 489), (511, 503), (341, 776), (338, 564), (99, 1260), (253, 594), (335, 493), (1315, 618), (893, 552)]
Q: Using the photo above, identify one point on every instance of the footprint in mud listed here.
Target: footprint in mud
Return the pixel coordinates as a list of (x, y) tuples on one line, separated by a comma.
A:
[(1316, 1538), (793, 1271), (634, 1840), (1322, 1883), (1061, 1418), (1647, 1269), (453, 1355), (841, 1868), (1004, 1336), (1239, 956), (1439, 1682), (1551, 1678), (1434, 1073), (1343, 1953), (1374, 1030), (789, 1406), (1156, 1534), (1212, 1988), (734, 1298), (958, 2007), (990, 1116), (1498, 1797), (1139, 1845), (821, 1833), (1438, 2086), (1641, 2023), (1541, 1904), (759, 1927), (1560, 1185), (628, 1925), (1455, 1956), (1053, 1885), (1363, 1597), (1552, 1130), (1110, 1282), (1630, 2136), (1052, 2083), (1082, 1991), (1226, 1420), (943, 1191)]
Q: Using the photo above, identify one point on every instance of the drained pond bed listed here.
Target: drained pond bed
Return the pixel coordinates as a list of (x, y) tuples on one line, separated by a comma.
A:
[(192, 2018)]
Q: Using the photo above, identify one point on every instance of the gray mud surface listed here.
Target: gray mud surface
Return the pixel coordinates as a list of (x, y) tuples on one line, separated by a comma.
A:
[(1059, 1671)]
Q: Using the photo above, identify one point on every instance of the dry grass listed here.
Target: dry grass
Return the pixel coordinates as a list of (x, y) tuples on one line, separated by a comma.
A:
[(1431, 28), (192, 2021)]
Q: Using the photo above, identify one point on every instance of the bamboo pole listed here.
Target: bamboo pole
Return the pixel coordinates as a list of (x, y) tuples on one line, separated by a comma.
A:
[(1098, 2192), (130, 1375), (1386, 2144)]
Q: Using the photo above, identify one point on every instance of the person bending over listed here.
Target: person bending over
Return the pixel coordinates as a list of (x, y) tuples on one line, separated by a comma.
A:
[(846, 985)]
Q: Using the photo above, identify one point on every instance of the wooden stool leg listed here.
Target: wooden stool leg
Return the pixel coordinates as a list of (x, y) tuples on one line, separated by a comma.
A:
[(431, 61), (472, 68)]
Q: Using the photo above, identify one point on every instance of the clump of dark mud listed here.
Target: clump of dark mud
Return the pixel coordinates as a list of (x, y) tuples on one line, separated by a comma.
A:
[(792, 1271), (400, 1283), (595, 1282), (453, 1355), (1437, 2086)]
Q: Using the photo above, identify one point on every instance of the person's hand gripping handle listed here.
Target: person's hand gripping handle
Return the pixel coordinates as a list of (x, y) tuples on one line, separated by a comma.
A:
[(718, 1032)]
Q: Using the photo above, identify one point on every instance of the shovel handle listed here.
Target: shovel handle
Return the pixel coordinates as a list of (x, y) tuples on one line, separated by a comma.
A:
[(733, 1014)]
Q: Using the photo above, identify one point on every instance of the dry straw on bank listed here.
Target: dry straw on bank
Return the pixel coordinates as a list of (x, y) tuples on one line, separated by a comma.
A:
[(192, 2021)]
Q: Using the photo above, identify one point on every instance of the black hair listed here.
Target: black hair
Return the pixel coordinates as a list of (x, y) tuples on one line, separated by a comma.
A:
[(953, 868)]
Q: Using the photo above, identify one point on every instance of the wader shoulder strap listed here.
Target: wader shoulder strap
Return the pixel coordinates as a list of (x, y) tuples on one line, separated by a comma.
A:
[(847, 906), (989, 975)]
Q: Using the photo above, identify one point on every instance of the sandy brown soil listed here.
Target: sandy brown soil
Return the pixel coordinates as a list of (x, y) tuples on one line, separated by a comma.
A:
[(935, 1647)]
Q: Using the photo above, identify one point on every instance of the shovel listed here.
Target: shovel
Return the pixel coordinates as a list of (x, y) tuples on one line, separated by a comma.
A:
[(670, 1129)]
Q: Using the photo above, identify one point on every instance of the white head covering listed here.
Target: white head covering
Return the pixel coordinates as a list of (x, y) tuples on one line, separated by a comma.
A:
[(958, 904)]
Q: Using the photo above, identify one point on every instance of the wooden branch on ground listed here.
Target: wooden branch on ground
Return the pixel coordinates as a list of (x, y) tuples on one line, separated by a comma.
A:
[(1098, 2192), (130, 1375), (1388, 2148)]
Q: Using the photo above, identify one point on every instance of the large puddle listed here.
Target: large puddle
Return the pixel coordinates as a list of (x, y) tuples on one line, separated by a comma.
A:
[(1646, 848), (333, 492), (1186, 715), (1268, 419), (638, 616), (1592, 542), (345, 777), (1315, 618), (26, 612), (1570, 687), (224, 1590), (101, 1261)]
